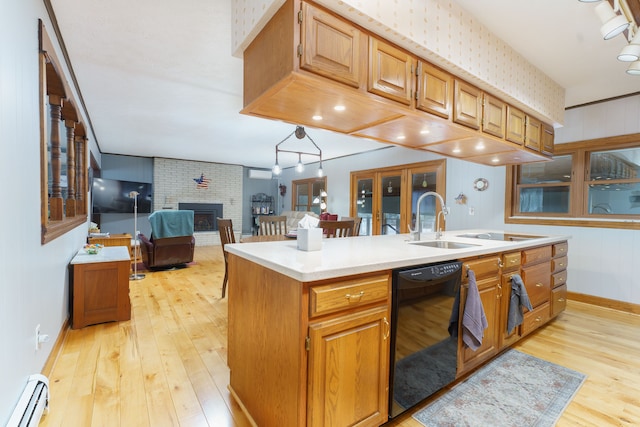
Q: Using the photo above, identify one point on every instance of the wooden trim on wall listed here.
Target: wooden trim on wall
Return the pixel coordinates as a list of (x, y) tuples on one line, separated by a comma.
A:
[(47, 369), (605, 302)]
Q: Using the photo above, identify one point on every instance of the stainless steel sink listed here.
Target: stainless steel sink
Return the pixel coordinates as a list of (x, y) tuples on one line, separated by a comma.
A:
[(442, 244)]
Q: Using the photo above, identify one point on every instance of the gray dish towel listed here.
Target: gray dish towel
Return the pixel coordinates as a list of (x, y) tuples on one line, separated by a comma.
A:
[(519, 298), (474, 321)]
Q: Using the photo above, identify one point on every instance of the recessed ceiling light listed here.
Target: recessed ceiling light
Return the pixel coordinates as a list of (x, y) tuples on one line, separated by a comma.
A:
[(424, 132), (480, 146), (339, 108), (317, 117), (400, 137), (495, 160), (456, 150)]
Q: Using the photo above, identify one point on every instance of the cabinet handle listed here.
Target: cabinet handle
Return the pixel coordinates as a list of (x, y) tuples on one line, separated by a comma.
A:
[(539, 285), (358, 296), (561, 264), (538, 319), (560, 299), (388, 327), (499, 292), (500, 264), (513, 261)]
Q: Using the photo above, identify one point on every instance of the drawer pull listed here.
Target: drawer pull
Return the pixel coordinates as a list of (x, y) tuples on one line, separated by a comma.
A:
[(356, 296), (513, 261), (388, 328), (560, 299), (538, 319), (539, 285), (561, 264)]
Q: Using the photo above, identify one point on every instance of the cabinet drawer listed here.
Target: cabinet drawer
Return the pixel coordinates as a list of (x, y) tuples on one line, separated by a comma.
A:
[(560, 278), (532, 256), (347, 294), (559, 249), (537, 281), (559, 264), (558, 300), (485, 267), (536, 318), (511, 261)]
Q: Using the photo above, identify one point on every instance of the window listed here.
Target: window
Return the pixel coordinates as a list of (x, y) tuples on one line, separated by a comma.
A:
[(594, 183), (307, 194), (62, 149)]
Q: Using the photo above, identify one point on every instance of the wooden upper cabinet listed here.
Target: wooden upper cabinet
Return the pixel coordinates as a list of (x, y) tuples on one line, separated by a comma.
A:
[(390, 72), (493, 116), (515, 125), (548, 133), (533, 128), (467, 105), (435, 89), (332, 47)]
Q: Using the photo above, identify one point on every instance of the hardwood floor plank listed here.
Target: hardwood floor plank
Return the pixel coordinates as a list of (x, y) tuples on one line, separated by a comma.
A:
[(167, 366)]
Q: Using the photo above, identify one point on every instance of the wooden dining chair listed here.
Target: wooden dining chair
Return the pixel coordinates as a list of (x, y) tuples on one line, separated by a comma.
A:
[(272, 224), (356, 224), (225, 227), (342, 228)]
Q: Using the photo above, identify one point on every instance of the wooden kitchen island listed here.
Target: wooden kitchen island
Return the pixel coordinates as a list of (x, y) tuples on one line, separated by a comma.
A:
[(309, 331)]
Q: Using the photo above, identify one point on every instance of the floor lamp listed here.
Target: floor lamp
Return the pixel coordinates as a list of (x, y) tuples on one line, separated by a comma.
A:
[(136, 245)]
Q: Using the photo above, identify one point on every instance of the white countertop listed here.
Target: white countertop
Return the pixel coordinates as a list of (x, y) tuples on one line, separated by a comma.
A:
[(106, 254), (364, 254)]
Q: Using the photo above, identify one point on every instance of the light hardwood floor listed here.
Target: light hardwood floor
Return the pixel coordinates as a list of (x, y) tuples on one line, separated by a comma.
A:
[(167, 365)]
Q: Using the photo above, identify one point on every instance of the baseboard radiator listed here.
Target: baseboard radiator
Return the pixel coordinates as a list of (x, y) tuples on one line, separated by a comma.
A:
[(32, 403)]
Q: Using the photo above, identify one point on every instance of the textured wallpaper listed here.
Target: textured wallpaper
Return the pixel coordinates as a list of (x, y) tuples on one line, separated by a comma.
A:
[(441, 32)]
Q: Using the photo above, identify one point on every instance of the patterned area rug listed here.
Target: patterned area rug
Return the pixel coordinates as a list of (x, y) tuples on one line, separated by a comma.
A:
[(515, 390)]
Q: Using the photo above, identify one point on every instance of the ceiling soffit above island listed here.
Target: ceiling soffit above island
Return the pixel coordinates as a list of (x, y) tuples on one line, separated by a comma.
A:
[(439, 31)]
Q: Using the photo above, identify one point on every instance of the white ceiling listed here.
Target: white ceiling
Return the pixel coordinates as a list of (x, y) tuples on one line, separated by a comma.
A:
[(159, 80)]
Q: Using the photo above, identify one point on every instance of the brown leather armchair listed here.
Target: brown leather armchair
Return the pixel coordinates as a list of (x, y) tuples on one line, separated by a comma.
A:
[(166, 252), (171, 242)]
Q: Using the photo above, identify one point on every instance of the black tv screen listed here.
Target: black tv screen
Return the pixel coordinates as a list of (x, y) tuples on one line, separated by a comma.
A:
[(113, 196)]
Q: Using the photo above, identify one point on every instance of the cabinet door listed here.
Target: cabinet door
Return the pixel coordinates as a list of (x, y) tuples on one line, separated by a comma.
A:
[(332, 47), (506, 338), (390, 72), (515, 125), (348, 379), (435, 89), (467, 105), (533, 130), (537, 281), (493, 116), (548, 134), (490, 291)]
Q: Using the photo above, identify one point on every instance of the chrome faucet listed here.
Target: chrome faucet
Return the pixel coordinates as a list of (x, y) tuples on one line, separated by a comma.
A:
[(415, 233)]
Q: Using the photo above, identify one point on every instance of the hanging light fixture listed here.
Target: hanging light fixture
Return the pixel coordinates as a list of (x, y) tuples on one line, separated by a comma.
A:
[(390, 188), (424, 181), (612, 22), (634, 68), (300, 133)]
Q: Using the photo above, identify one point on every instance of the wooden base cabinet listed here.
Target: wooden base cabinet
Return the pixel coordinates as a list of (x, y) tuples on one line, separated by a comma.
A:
[(100, 287), (308, 354), (348, 370)]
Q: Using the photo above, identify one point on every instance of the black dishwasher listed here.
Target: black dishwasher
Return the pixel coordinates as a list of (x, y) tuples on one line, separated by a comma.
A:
[(423, 354)]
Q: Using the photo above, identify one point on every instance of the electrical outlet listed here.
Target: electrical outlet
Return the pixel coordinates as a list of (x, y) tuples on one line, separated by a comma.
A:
[(472, 210), (38, 337)]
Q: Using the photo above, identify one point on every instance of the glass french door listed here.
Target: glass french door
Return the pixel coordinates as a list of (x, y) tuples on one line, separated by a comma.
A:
[(386, 199)]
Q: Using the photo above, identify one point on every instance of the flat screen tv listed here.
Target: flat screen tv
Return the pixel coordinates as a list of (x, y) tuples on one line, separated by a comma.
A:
[(112, 196)]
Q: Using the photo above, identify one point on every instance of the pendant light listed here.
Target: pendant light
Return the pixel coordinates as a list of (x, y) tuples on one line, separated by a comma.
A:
[(424, 181)]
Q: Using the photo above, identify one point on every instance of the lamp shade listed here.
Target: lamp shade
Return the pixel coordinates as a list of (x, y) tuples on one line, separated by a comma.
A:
[(612, 23), (634, 68), (631, 52)]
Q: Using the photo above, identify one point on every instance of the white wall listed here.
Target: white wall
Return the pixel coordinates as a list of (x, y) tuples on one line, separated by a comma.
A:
[(601, 261), (33, 277)]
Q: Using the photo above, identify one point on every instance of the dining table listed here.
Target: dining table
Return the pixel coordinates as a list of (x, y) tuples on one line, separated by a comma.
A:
[(266, 238)]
